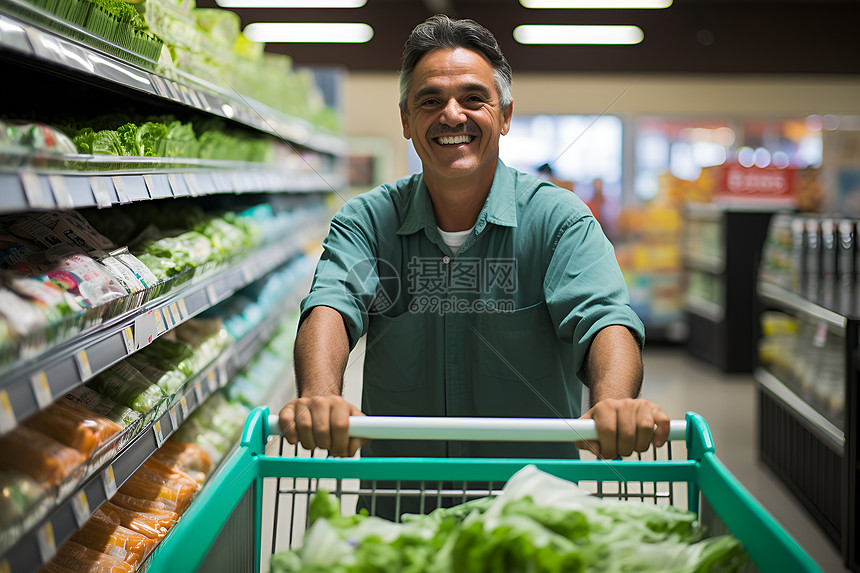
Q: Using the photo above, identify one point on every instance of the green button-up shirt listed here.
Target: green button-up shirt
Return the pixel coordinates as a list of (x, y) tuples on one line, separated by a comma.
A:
[(499, 329)]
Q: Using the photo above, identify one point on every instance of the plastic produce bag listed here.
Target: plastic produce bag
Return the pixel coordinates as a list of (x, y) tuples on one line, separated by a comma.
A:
[(107, 537), (42, 458), (74, 426), (169, 380), (18, 493), (188, 458), (158, 486), (81, 275), (153, 523), (73, 556), (92, 400), (125, 384)]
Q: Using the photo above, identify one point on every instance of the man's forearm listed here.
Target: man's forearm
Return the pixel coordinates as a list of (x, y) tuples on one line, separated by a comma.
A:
[(613, 365), (321, 353)]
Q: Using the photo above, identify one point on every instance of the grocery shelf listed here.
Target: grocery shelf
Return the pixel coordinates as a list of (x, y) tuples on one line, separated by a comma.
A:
[(711, 264), (37, 546), (784, 298), (47, 47), (35, 382), (704, 308), (812, 419), (108, 181)]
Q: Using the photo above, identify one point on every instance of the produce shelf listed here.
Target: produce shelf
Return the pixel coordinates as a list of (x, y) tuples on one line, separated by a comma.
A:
[(39, 544), (19, 37), (704, 308), (784, 298), (108, 181), (37, 380)]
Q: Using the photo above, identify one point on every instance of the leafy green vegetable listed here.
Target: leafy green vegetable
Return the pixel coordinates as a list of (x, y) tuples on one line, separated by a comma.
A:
[(128, 138), (150, 138), (539, 523), (107, 143)]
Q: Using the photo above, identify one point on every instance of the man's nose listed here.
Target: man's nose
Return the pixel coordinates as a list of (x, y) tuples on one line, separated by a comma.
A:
[(452, 113)]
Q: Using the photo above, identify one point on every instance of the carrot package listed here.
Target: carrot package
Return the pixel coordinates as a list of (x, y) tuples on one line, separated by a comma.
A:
[(44, 459), (114, 539), (188, 458), (153, 523), (74, 426), (73, 556), (156, 481)]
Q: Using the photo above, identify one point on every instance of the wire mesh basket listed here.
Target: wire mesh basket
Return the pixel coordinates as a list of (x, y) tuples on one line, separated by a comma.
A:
[(257, 504)]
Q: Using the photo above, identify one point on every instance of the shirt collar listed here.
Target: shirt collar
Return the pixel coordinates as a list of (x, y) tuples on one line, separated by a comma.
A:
[(500, 207)]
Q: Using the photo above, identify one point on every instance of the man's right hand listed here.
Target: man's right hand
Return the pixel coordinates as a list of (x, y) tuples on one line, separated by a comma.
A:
[(321, 422)]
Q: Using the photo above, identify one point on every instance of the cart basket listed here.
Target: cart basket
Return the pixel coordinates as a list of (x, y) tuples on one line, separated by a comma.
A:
[(256, 504)]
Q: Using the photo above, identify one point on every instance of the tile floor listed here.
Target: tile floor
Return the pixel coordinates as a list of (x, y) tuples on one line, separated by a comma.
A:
[(681, 383)]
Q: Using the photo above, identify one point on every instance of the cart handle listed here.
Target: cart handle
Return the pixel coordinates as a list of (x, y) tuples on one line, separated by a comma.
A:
[(480, 429)]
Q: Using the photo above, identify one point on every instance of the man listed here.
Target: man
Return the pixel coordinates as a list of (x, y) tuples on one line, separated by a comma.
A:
[(483, 291)]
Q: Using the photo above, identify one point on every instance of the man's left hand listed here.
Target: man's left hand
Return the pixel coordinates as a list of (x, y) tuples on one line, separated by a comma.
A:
[(624, 426)]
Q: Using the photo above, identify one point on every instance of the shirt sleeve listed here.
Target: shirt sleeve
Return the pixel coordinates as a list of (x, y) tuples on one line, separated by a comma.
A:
[(584, 288), (346, 277)]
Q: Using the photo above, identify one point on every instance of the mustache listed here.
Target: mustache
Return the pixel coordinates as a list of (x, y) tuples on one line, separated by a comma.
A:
[(462, 128)]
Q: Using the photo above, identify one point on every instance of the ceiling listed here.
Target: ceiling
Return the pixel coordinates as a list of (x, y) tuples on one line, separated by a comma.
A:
[(691, 36)]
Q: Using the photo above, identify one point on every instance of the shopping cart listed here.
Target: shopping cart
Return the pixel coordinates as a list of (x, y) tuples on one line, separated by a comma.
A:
[(257, 503)]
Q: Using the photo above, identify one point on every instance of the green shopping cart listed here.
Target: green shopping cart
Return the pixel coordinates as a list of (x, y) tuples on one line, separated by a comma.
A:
[(257, 503)]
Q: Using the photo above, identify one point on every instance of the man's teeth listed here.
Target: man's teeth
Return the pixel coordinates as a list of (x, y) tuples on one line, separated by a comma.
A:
[(455, 139)]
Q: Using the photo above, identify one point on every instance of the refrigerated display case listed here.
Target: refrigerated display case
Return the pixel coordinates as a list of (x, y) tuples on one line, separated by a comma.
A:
[(55, 70)]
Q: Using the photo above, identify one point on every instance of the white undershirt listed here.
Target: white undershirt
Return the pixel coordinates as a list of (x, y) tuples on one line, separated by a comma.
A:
[(454, 239)]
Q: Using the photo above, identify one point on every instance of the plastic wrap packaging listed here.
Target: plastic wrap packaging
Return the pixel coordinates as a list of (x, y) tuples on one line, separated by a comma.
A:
[(153, 523), (18, 493), (188, 458), (92, 400), (42, 458), (125, 384), (74, 426), (22, 315), (170, 354), (170, 380), (82, 276), (107, 537), (73, 556), (155, 481)]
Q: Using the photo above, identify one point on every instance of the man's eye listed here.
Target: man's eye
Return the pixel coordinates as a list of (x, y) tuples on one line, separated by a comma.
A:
[(430, 101)]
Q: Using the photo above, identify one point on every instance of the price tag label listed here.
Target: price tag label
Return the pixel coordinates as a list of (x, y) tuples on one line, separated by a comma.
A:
[(145, 329), (7, 416), (4, 567), (81, 508), (173, 417), (83, 362), (212, 294), (177, 185), (160, 324), (47, 543), (150, 186), (183, 403), (61, 192), (41, 389), (195, 101), (174, 312), (183, 312), (128, 339), (169, 319), (221, 372), (159, 434), (212, 380), (121, 192), (198, 393), (109, 482), (247, 273), (33, 190), (100, 192), (192, 184)]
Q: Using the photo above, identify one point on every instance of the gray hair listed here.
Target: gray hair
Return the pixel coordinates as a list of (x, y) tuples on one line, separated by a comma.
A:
[(440, 31)]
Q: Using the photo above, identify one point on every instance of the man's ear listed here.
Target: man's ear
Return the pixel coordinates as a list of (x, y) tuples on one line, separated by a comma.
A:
[(404, 120), (506, 118)]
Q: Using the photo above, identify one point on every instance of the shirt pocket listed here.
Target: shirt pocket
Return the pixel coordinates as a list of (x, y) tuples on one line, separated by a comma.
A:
[(517, 344), (396, 358)]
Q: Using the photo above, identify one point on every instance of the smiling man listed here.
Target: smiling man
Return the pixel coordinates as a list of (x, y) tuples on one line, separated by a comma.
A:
[(483, 291)]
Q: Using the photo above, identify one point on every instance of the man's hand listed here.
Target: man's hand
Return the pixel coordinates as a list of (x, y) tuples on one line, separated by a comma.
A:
[(625, 426), (321, 422)]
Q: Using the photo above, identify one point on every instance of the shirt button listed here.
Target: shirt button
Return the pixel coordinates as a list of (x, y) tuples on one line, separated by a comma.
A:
[(446, 259)]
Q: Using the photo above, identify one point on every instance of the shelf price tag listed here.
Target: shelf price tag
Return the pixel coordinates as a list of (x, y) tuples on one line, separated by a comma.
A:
[(175, 314), (83, 362), (47, 543), (7, 416), (159, 433), (128, 339), (61, 192), (100, 192), (121, 193), (182, 310), (145, 329), (212, 294), (198, 393), (177, 185), (150, 186), (109, 482), (183, 404), (173, 419), (160, 324), (192, 184), (169, 319), (212, 380), (247, 273), (81, 508), (221, 372), (4, 567), (33, 191), (41, 389)]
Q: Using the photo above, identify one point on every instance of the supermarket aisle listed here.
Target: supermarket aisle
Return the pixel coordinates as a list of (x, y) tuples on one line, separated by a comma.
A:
[(680, 383)]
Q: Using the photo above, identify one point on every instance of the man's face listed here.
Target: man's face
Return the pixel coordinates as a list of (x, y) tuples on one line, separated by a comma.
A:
[(455, 119)]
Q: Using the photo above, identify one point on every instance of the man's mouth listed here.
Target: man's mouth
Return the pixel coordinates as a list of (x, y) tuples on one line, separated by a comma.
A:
[(454, 139)]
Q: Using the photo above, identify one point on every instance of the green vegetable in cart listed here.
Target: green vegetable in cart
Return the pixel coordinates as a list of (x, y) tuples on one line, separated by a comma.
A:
[(538, 523)]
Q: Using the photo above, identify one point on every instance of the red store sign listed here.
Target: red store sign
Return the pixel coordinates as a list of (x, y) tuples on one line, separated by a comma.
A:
[(756, 185)]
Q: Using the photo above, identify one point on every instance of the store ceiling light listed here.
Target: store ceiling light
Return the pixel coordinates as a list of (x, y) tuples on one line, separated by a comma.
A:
[(309, 33), (596, 4), (291, 3), (557, 34)]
